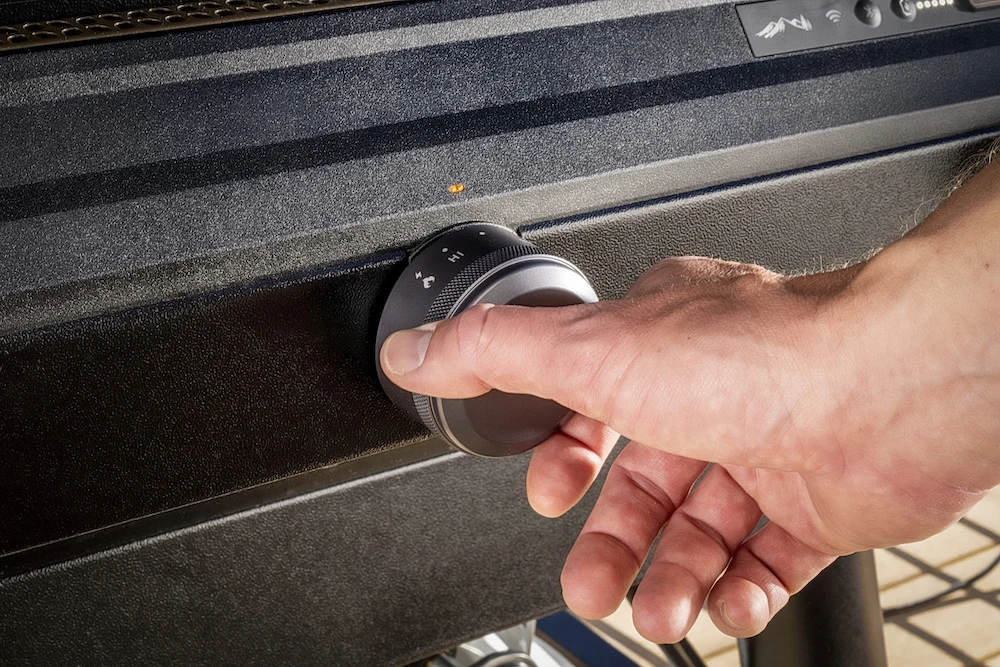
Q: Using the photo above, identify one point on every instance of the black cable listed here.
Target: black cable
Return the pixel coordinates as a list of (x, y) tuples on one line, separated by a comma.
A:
[(510, 659), (682, 654), (892, 612)]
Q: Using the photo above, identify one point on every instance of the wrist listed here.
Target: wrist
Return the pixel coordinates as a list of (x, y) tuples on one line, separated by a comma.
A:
[(924, 316)]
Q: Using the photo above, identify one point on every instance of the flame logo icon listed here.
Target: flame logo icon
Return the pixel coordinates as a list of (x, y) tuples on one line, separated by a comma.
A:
[(775, 28)]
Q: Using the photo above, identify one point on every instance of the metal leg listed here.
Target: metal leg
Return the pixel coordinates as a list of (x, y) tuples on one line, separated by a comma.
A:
[(836, 620)]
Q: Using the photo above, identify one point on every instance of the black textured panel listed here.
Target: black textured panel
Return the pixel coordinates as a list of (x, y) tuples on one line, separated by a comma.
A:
[(349, 145), (111, 167), (809, 221), (183, 173), (124, 415), (372, 573)]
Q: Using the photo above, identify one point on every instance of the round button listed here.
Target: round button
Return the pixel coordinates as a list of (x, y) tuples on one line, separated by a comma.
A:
[(868, 13), (469, 264), (904, 9)]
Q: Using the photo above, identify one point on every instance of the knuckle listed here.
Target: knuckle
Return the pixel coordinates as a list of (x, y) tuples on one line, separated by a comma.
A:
[(751, 279), (663, 504), (684, 264), (713, 537), (619, 390)]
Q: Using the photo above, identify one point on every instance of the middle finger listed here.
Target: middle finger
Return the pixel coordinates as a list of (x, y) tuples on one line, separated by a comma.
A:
[(643, 488)]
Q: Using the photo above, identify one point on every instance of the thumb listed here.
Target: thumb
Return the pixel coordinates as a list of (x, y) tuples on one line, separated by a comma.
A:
[(547, 352), (702, 385)]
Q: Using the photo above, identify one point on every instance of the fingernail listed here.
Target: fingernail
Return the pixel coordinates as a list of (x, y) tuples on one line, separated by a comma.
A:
[(405, 350)]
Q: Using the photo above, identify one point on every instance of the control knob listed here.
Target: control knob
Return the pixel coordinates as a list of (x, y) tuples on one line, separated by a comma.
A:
[(460, 267)]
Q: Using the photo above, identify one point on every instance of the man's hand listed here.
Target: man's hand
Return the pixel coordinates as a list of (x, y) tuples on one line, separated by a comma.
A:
[(854, 409)]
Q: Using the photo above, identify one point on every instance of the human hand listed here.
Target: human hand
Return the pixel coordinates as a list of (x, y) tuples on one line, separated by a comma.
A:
[(842, 406)]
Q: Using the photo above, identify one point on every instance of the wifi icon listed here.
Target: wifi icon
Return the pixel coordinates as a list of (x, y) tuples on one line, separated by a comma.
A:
[(834, 15)]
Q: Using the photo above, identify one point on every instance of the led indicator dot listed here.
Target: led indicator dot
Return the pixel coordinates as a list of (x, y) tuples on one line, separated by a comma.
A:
[(457, 188), (920, 5)]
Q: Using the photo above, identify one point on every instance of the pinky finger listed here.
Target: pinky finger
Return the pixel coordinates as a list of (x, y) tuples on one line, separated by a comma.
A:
[(767, 569)]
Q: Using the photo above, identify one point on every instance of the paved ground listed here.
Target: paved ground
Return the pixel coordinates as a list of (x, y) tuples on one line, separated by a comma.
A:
[(963, 629)]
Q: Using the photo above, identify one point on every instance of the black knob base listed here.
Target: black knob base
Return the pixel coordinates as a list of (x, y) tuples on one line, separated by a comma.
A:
[(462, 266)]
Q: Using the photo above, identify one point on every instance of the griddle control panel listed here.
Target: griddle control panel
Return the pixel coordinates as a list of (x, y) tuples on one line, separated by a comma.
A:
[(783, 26)]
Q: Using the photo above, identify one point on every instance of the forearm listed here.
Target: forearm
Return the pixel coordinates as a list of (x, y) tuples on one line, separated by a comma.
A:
[(933, 303), (956, 250)]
